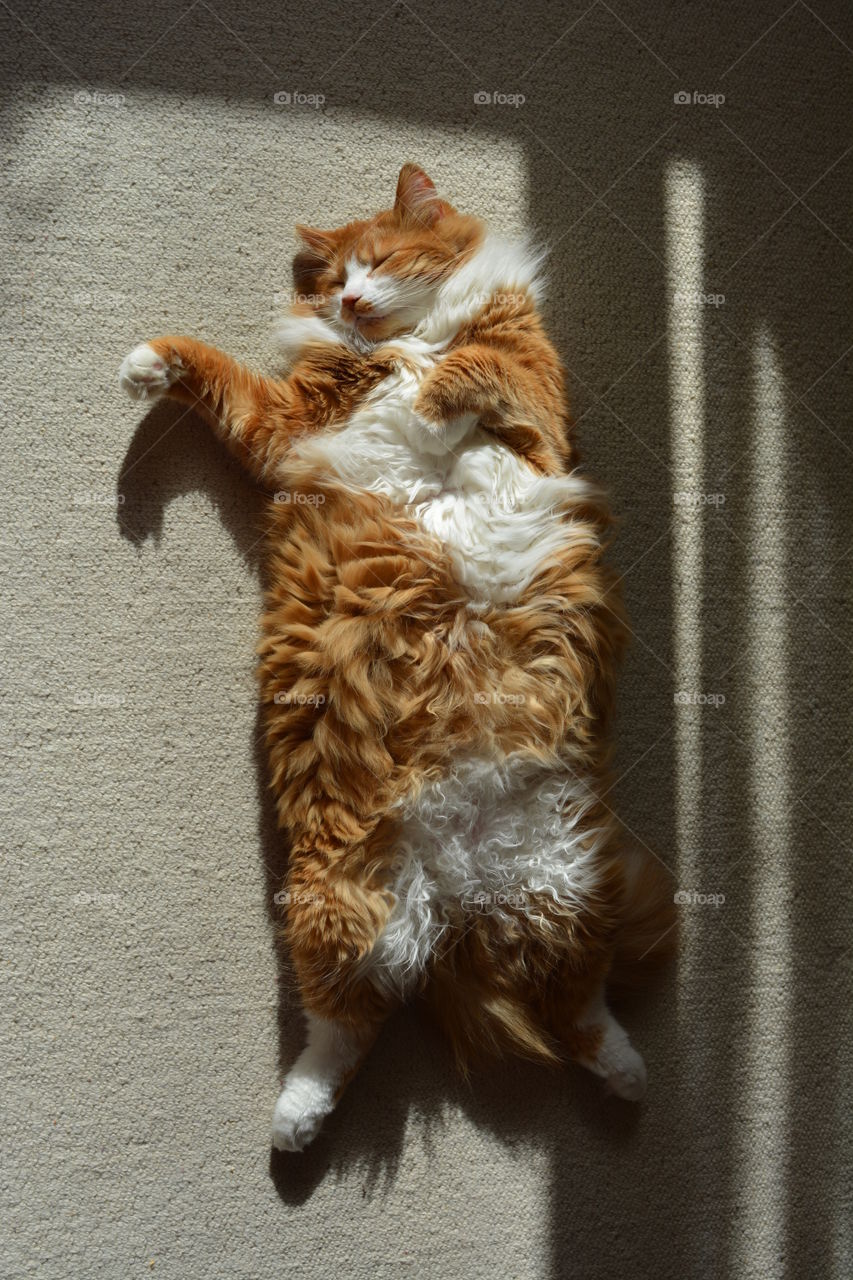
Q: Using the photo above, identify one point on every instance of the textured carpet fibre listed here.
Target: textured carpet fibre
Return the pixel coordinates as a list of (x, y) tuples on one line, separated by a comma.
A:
[(700, 287)]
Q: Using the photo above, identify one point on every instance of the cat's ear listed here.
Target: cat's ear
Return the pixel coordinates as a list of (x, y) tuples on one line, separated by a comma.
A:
[(319, 242), (317, 254), (417, 199)]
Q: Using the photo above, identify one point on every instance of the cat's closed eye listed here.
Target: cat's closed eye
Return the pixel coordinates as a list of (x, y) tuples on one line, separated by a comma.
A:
[(383, 259)]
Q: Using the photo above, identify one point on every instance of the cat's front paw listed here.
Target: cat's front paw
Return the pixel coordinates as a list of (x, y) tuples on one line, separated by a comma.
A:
[(299, 1113), (145, 374), (440, 438)]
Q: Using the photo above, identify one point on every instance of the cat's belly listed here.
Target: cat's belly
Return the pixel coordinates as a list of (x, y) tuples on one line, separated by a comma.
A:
[(486, 838), (498, 519)]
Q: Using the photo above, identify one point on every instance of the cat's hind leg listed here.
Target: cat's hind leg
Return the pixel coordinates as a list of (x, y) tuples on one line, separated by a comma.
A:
[(598, 1042), (317, 1079)]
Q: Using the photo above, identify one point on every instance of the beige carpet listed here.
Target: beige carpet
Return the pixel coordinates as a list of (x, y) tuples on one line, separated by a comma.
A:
[(700, 293)]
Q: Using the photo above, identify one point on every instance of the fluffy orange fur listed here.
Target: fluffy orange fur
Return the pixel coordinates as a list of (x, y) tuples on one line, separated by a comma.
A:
[(374, 673)]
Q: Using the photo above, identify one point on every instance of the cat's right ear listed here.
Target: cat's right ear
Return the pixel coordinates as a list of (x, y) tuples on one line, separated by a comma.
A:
[(314, 258)]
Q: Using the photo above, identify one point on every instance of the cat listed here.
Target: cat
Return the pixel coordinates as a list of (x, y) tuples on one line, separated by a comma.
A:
[(439, 647)]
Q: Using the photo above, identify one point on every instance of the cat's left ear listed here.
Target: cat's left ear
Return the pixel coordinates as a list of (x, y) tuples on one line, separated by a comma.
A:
[(417, 199), (321, 243), (313, 258)]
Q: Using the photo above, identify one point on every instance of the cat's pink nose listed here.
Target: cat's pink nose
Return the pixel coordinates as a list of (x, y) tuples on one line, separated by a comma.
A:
[(349, 300)]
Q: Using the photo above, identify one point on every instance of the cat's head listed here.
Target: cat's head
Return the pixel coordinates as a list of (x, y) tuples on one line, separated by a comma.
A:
[(378, 279)]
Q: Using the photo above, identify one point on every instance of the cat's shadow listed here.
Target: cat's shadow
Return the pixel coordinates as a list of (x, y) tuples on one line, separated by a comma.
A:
[(173, 453), (409, 1074)]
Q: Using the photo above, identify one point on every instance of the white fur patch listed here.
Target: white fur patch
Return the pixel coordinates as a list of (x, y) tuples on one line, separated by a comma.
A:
[(498, 518), (499, 266), (487, 837), (144, 374), (309, 1092), (294, 332), (617, 1061)]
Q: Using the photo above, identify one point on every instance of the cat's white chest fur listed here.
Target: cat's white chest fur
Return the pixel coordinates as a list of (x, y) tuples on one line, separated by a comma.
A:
[(496, 516)]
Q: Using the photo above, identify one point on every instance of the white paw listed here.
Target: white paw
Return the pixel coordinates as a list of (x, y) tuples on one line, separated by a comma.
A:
[(627, 1078), (299, 1113), (144, 374)]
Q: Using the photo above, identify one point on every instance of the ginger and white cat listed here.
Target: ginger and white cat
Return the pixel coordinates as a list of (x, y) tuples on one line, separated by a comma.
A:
[(439, 649)]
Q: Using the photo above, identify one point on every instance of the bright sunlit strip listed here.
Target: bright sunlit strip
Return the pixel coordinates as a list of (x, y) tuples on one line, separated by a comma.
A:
[(762, 1127), (684, 203)]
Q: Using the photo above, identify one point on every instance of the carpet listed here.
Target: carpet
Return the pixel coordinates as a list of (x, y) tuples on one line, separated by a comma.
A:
[(687, 166)]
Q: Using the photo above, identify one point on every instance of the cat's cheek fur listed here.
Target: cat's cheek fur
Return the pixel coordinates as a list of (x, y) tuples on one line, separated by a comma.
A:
[(145, 374)]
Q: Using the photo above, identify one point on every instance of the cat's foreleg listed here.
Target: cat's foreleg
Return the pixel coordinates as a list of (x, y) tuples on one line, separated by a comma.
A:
[(317, 1079), (255, 416), (471, 380)]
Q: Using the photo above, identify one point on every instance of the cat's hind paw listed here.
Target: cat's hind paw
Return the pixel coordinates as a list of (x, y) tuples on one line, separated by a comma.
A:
[(145, 374), (627, 1079), (298, 1116)]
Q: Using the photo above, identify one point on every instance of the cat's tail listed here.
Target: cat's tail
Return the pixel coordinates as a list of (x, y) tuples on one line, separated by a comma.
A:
[(647, 932)]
